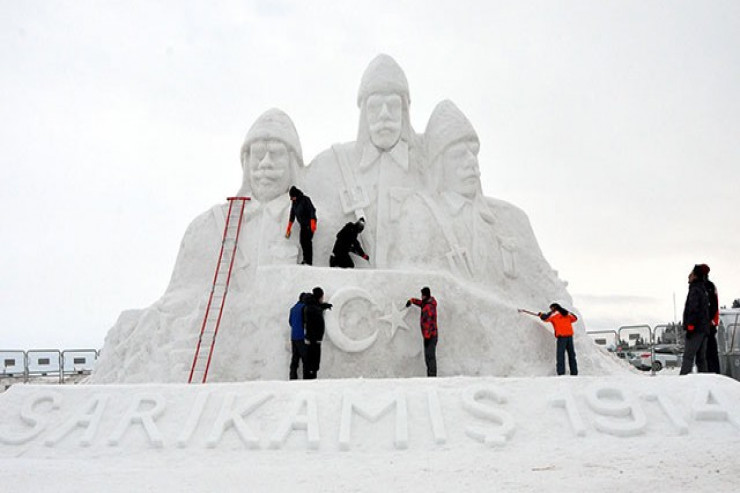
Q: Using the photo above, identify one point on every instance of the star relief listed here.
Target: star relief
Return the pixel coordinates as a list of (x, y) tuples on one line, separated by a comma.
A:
[(396, 319)]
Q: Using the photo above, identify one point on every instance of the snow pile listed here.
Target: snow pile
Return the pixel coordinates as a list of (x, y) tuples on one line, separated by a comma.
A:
[(445, 434), (428, 224)]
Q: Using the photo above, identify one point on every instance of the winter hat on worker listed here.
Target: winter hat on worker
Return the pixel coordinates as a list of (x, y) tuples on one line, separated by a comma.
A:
[(318, 293), (295, 192), (698, 271), (383, 75), (273, 124), (704, 268), (447, 125)]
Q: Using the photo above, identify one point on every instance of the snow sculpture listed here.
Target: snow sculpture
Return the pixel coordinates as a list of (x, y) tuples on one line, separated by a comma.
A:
[(427, 224)]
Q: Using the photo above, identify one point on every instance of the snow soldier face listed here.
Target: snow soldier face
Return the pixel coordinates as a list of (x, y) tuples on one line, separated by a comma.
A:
[(460, 168), (269, 169), (271, 155), (452, 146), (384, 119), (383, 99)]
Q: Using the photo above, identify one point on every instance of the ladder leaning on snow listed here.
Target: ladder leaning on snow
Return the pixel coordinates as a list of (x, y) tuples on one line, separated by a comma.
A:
[(219, 290)]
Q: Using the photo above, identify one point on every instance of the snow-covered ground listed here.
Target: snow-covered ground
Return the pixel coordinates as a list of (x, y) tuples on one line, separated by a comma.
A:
[(447, 434)]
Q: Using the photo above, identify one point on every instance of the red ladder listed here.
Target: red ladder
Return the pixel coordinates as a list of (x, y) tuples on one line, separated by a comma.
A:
[(219, 290)]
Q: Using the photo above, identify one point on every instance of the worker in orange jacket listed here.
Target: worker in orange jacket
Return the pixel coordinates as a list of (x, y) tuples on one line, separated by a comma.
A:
[(562, 321)]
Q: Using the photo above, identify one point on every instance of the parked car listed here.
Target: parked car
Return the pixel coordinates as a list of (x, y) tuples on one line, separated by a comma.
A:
[(664, 355)]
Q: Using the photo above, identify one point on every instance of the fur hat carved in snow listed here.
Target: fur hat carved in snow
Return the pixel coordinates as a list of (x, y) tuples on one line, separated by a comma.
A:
[(447, 125), (383, 75), (273, 124)]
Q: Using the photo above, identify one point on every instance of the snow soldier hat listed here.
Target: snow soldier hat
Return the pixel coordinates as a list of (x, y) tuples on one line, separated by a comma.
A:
[(383, 75), (273, 124), (447, 126)]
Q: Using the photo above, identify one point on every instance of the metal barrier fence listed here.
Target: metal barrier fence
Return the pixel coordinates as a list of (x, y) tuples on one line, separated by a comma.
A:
[(602, 341), (33, 363), (645, 338), (731, 361)]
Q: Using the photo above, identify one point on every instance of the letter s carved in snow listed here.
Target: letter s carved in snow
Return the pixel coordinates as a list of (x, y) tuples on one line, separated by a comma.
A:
[(472, 402), (29, 416)]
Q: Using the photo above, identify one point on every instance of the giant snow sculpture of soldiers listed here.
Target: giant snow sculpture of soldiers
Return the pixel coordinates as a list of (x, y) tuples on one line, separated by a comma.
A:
[(371, 177)]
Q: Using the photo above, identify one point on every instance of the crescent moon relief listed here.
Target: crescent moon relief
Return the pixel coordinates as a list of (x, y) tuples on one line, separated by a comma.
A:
[(334, 329)]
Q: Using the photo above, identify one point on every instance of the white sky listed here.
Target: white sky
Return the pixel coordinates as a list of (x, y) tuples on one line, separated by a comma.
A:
[(614, 125)]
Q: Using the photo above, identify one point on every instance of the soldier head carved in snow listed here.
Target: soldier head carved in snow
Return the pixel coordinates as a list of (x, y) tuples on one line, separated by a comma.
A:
[(383, 99), (452, 150), (270, 156)]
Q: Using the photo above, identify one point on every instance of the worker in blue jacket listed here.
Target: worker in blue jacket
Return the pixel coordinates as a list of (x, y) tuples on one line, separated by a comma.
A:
[(297, 338)]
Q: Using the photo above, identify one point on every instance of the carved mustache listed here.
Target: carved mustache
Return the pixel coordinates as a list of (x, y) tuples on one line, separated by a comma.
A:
[(267, 175), (385, 126)]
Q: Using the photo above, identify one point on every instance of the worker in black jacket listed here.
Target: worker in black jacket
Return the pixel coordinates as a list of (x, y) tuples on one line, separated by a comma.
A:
[(313, 319), (696, 324), (347, 243), (712, 348), (303, 210)]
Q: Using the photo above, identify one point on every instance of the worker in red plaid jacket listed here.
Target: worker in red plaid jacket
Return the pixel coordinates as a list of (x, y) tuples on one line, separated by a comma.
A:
[(428, 322)]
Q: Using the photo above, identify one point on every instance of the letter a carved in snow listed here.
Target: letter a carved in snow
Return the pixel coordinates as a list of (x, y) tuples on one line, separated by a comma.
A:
[(89, 420), (296, 421), (711, 405)]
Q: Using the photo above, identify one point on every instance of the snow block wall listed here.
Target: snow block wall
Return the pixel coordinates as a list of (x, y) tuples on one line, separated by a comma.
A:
[(427, 224)]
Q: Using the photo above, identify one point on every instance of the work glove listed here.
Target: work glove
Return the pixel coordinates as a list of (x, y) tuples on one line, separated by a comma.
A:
[(366, 257), (287, 231), (313, 225), (408, 303), (690, 328)]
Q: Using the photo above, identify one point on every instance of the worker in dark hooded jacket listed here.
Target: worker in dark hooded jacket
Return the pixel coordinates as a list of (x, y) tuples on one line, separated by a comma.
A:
[(346, 243), (313, 318), (696, 324), (297, 338), (712, 349), (303, 210)]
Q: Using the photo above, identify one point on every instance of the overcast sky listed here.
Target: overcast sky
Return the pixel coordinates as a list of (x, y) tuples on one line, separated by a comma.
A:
[(613, 124)]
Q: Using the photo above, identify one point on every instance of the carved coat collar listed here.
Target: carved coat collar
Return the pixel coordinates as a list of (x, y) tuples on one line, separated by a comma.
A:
[(456, 203), (399, 154), (274, 209)]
